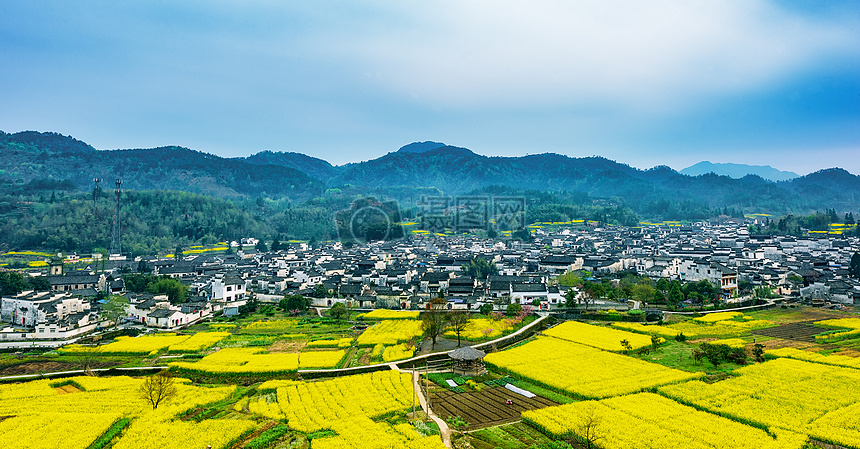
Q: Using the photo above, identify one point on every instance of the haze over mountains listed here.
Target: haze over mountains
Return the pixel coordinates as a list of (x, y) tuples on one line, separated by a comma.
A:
[(738, 171), (28, 156)]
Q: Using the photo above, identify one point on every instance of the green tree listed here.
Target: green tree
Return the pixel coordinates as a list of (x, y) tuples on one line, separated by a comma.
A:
[(675, 295), (338, 311), (320, 291), (261, 246), (177, 253), (177, 292), (295, 302), (514, 309), (38, 283), (642, 292), (12, 283), (486, 309), (569, 279), (479, 268), (854, 266), (114, 308)]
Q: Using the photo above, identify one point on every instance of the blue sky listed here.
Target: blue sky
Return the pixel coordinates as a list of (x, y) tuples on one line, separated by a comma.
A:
[(644, 83)]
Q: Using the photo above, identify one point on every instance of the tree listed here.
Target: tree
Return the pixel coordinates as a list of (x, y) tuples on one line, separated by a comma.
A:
[(338, 311), (276, 245), (114, 308), (158, 388), (570, 299), (38, 283), (514, 309), (320, 291), (758, 352), (261, 246), (588, 430), (642, 292), (177, 253), (12, 283), (569, 279), (675, 296), (435, 319), (176, 291), (457, 322), (294, 302), (479, 268), (486, 309), (854, 267)]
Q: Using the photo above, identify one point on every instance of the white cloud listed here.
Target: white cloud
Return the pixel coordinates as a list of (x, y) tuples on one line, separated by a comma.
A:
[(644, 56)]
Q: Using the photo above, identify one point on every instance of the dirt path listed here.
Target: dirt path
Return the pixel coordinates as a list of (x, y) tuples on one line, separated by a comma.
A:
[(443, 426)]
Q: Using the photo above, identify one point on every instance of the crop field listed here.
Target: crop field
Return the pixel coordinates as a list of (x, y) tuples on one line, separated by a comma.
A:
[(347, 406), (242, 361), (43, 414), (650, 421), (384, 314), (809, 356), (390, 332), (487, 407), (730, 326), (600, 337), (804, 331), (583, 371), (144, 344), (484, 328), (794, 395)]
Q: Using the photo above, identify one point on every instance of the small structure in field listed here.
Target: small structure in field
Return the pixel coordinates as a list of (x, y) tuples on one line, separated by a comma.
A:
[(468, 360)]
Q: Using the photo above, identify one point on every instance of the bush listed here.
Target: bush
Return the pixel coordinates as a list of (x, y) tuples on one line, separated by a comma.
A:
[(681, 337), (717, 354)]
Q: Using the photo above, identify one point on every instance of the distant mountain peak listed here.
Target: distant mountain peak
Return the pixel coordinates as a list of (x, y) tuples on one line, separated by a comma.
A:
[(738, 171), (420, 147)]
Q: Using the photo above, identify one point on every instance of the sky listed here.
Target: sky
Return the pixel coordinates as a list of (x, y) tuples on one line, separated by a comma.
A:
[(643, 83)]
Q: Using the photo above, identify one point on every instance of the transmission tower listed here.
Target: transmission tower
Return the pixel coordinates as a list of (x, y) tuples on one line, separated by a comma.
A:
[(97, 191), (115, 246)]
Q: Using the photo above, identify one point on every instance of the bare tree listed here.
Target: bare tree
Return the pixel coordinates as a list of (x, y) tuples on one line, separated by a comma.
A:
[(87, 360), (588, 432), (457, 322), (435, 319), (158, 388)]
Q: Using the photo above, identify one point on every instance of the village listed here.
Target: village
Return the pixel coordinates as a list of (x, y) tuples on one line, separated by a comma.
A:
[(406, 274)]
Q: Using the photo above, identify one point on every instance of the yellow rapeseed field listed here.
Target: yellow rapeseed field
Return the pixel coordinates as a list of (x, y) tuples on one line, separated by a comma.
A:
[(75, 419), (198, 342), (600, 337), (584, 371), (650, 421), (385, 314), (390, 332), (484, 328), (143, 344), (799, 396), (243, 361)]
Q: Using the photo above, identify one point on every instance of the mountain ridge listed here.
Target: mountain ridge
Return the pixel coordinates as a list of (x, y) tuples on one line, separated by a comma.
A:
[(738, 171), (29, 156)]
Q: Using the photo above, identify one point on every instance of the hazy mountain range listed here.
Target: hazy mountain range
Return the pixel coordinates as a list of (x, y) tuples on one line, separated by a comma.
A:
[(738, 171), (28, 156)]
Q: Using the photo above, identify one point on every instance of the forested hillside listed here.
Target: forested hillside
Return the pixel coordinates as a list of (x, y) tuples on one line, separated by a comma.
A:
[(175, 195)]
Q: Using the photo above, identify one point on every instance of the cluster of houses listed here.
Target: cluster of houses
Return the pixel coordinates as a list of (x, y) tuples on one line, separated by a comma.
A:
[(408, 273)]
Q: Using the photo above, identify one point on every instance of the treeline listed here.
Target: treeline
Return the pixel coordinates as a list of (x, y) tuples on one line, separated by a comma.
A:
[(797, 225), (151, 222)]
